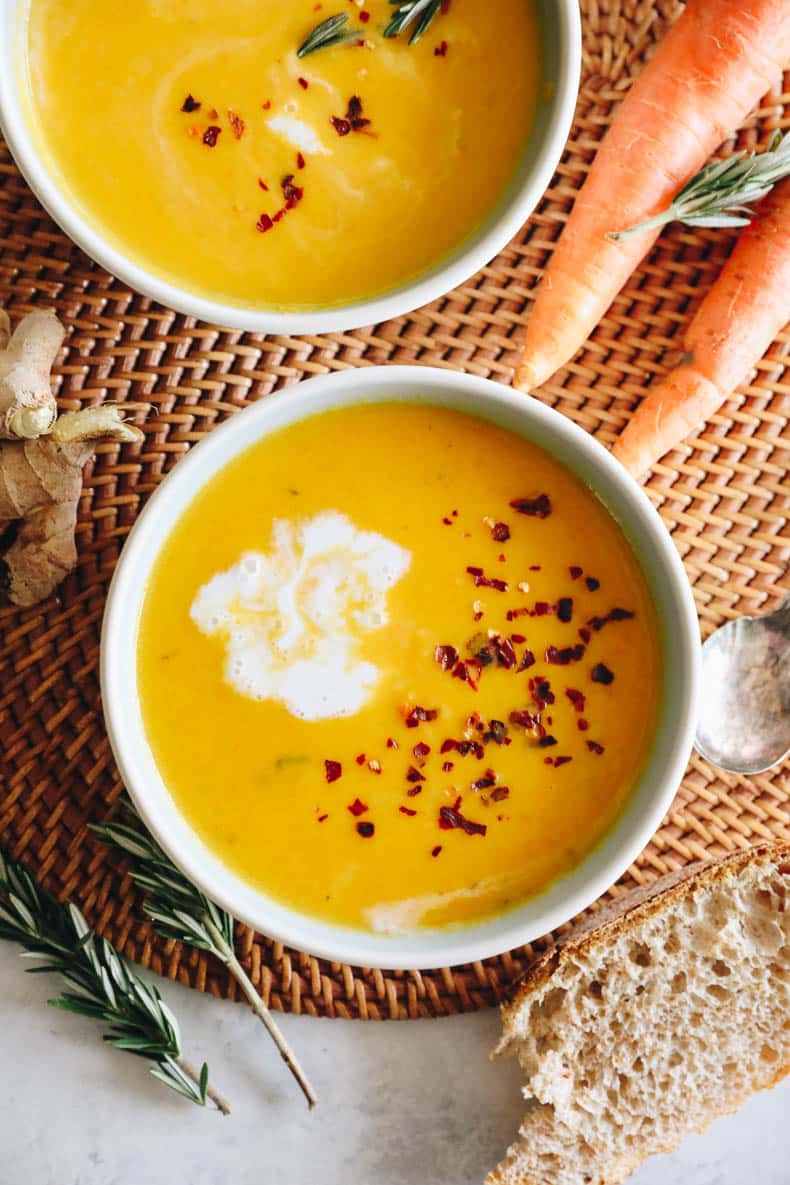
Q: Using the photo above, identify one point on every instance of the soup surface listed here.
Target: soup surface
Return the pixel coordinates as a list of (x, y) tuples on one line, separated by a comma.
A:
[(193, 135), (398, 667)]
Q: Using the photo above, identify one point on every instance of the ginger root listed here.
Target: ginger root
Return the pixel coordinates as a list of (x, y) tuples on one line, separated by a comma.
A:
[(41, 461), (27, 405)]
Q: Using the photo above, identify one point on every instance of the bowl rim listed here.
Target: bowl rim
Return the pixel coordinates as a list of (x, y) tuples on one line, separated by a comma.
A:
[(435, 947), (484, 244)]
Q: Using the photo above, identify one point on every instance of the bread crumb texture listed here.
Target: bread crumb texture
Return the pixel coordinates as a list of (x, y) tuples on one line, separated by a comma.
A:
[(667, 1014)]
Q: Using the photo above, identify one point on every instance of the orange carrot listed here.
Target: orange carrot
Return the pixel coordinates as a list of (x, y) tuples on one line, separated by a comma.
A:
[(734, 326), (716, 62)]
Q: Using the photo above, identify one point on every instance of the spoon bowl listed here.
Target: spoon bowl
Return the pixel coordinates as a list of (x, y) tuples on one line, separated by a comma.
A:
[(744, 722)]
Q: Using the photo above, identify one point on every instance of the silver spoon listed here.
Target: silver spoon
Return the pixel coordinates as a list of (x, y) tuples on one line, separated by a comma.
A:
[(744, 724)]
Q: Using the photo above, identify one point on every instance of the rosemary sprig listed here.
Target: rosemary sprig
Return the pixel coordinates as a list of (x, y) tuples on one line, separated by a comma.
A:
[(332, 31), (721, 194), (179, 910), (416, 13), (101, 984)]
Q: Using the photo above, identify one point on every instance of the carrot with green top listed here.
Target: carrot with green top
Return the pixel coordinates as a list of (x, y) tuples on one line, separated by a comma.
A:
[(735, 324), (716, 62)]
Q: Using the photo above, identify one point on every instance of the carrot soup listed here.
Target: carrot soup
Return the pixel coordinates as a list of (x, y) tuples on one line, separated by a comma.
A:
[(197, 141), (410, 697)]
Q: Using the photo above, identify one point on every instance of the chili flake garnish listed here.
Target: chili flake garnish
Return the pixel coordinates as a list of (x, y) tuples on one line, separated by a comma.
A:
[(451, 819), (547, 742), (538, 507), (592, 583), (262, 184), (575, 571), (565, 609), (485, 783), (191, 104), (414, 791), (374, 766), (237, 124), (419, 715), (360, 759), (292, 194), (542, 692), (524, 718), (527, 660), (447, 767), (500, 794), (353, 120), (333, 770), (414, 775), (446, 656), (585, 635), (300, 160), (358, 808), (421, 750), (615, 614), (582, 724), (391, 744), (366, 830), (435, 851), (497, 732), (441, 50), (594, 747), (500, 532), (558, 761), (264, 223), (211, 135), (602, 674), (303, 83), (565, 656), (483, 581), (406, 810), (322, 818), (577, 698)]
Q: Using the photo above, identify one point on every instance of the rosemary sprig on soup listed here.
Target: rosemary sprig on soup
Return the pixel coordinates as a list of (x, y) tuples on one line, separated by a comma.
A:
[(426, 693), (227, 163)]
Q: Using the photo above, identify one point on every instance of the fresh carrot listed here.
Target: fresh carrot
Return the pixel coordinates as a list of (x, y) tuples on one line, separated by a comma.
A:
[(734, 326), (716, 62)]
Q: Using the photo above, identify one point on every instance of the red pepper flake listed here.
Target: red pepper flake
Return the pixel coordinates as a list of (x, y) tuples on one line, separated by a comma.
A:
[(568, 654), (414, 791), (435, 851), (594, 747), (237, 124), (262, 185), (577, 698), (615, 614), (213, 113), (364, 17), (483, 581), (462, 670), (592, 583), (391, 744), (292, 194), (358, 808), (582, 724), (419, 715), (421, 750), (535, 568), (541, 690), (565, 609), (333, 770), (602, 674), (448, 522), (447, 767), (360, 759), (366, 830), (278, 216), (267, 105), (414, 775), (322, 818), (446, 656), (500, 794), (191, 104), (543, 609), (211, 135), (341, 126), (537, 507), (517, 639), (547, 742), (527, 660), (441, 50), (524, 718), (450, 819), (264, 223), (585, 635), (406, 810), (496, 733), (485, 783), (374, 766), (500, 532), (353, 120), (575, 572), (558, 761), (303, 83), (300, 160), (548, 761)]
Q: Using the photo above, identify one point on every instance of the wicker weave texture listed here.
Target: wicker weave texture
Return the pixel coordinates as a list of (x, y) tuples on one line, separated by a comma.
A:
[(724, 496)]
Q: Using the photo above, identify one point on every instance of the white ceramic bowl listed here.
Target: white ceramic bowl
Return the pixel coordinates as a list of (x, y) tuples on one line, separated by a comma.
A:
[(679, 640), (561, 58)]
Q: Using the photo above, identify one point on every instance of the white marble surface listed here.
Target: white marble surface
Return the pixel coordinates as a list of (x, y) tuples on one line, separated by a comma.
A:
[(401, 1104)]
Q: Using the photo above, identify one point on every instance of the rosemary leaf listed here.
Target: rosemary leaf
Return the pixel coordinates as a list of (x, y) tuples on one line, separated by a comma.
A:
[(178, 909), (102, 985), (417, 14), (721, 194), (333, 31)]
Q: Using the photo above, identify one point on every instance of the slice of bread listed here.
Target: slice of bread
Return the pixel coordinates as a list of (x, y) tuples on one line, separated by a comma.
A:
[(646, 1022)]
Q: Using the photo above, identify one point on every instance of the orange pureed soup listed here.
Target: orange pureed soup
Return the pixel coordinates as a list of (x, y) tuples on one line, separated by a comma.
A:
[(398, 667), (193, 136)]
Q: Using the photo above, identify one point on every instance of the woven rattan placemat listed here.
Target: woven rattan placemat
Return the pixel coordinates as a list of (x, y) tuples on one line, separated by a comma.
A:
[(724, 496)]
